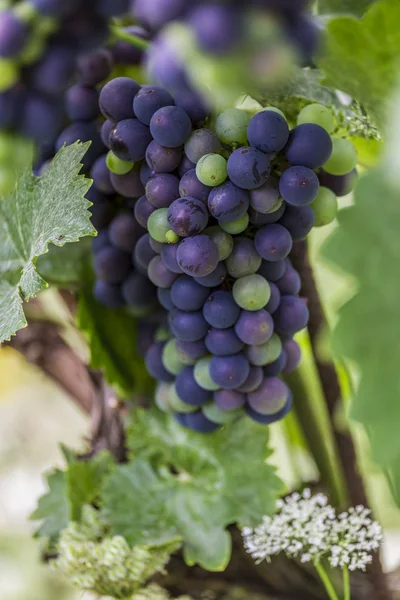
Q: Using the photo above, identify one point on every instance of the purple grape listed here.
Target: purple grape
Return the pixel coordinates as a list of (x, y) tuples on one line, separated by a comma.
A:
[(138, 291), (84, 31), (229, 399), (164, 298), (218, 28), (290, 283), (108, 294), (299, 186), (148, 100), (341, 185), (102, 213), (223, 342), (293, 355), (215, 278), (170, 126), (193, 104), (255, 327), (272, 270), (244, 259), (157, 246), (154, 363), (162, 190), (248, 168), (143, 209), (189, 390), (168, 255), (108, 9), (259, 219), (298, 220), (94, 68), (187, 326), (270, 397), (185, 166), (54, 71), (187, 294), (129, 185), (276, 367), (273, 242), (106, 129), (229, 372), (268, 131), (265, 198), (274, 299), (193, 350), (145, 173), (125, 232), (199, 423), (129, 140), (85, 132), (156, 13), (269, 419), (116, 99), (13, 34), (56, 8), (101, 176), (201, 142), (180, 418), (304, 33), (112, 265), (187, 216), (191, 186), (309, 146), (40, 119), (10, 102), (228, 202), (163, 160), (100, 241), (143, 252), (82, 103), (159, 274), (220, 310), (197, 256), (125, 53), (291, 316), (253, 381)]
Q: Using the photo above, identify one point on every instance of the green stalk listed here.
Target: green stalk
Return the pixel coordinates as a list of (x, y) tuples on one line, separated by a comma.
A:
[(330, 590), (134, 40), (311, 412), (346, 583)]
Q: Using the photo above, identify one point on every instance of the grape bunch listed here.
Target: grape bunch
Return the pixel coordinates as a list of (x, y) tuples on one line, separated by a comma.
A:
[(217, 204)]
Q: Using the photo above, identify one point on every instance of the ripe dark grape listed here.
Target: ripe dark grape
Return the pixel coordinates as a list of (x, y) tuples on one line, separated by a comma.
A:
[(309, 146), (105, 132), (188, 389), (162, 190), (170, 126), (248, 168), (40, 119), (188, 295), (154, 363), (299, 185), (116, 98), (188, 326), (112, 265), (223, 342), (143, 252), (291, 316), (293, 355), (190, 185), (168, 255), (259, 219), (13, 34), (273, 242), (200, 143), (83, 132), (254, 327), (93, 68), (138, 291), (217, 28), (229, 372), (197, 256), (163, 160), (229, 399), (199, 423), (54, 71), (102, 213), (164, 298), (215, 278), (268, 131), (129, 185), (143, 209), (220, 310), (129, 140), (244, 258), (148, 100), (270, 397), (341, 185), (269, 419), (101, 176), (274, 299), (82, 103), (187, 216), (185, 166), (298, 220), (253, 381), (228, 202), (159, 274), (193, 104), (113, 9), (290, 283), (125, 232), (108, 294), (276, 367), (101, 240), (272, 270)]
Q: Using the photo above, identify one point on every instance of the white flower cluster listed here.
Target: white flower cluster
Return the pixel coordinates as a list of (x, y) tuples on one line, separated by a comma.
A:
[(105, 565), (155, 592), (307, 527)]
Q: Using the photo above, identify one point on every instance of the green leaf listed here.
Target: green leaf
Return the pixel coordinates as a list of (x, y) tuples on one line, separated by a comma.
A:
[(196, 483), (49, 209), (53, 508), (352, 7), (64, 266), (84, 481), (357, 62), (111, 334), (306, 84)]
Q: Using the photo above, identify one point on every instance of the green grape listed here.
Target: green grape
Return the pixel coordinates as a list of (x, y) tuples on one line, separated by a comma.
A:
[(251, 292), (211, 169), (325, 207), (274, 346), (139, 311), (170, 358), (264, 353), (9, 73), (184, 358), (236, 226), (171, 237), (162, 396), (176, 403), (343, 158), (231, 126), (277, 110), (318, 114), (25, 11), (202, 374), (118, 166), (217, 415), (157, 225), (162, 335), (222, 239)]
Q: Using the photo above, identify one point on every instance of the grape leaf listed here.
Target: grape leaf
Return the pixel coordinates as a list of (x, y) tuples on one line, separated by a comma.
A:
[(199, 482), (49, 209), (64, 266), (53, 507), (352, 7), (357, 62), (111, 334)]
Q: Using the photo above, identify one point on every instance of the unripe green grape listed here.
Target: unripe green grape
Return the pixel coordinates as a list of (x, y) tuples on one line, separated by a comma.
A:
[(162, 396), (266, 353), (236, 226), (274, 345), (176, 403), (343, 158), (231, 126), (157, 225), (162, 335), (184, 358), (9, 73), (170, 358), (171, 237), (211, 169), (251, 292), (202, 374), (317, 114), (222, 239), (325, 207), (215, 414), (116, 165), (139, 311)]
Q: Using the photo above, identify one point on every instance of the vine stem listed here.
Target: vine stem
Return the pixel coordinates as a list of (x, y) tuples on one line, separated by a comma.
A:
[(333, 398), (133, 40), (330, 590), (346, 583)]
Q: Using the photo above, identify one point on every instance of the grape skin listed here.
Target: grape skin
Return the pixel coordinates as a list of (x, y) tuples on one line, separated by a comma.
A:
[(187, 216), (187, 295), (273, 242), (229, 372), (202, 142), (309, 146), (170, 126), (227, 202), (268, 131), (220, 310), (223, 342), (116, 98), (244, 258), (248, 168), (197, 256), (188, 326)]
